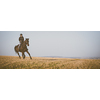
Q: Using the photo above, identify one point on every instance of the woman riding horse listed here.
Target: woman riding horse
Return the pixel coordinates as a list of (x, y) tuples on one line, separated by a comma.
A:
[(23, 48), (21, 40)]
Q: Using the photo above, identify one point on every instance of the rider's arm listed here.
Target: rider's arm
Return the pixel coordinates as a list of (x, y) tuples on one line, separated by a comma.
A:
[(23, 38)]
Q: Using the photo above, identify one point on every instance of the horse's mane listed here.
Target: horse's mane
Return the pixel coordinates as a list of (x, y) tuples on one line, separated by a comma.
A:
[(27, 39)]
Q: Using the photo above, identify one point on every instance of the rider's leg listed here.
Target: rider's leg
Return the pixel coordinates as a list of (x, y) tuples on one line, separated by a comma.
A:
[(19, 46)]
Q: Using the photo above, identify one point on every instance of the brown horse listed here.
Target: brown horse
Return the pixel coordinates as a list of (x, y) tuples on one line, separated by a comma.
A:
[(23, 49)]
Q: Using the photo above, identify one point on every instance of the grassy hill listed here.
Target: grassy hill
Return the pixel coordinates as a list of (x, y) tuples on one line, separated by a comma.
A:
[(11, 62)]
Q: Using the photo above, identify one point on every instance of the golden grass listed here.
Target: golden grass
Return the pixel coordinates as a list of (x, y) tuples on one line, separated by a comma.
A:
[(10, 62)]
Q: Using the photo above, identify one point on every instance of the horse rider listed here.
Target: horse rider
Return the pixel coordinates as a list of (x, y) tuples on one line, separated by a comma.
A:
[(21, 40)]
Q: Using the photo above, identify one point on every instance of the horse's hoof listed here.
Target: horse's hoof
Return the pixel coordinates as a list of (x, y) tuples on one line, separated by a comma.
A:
[(30, 58)]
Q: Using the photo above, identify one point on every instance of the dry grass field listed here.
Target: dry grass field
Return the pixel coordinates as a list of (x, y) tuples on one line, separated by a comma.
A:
[(10, 62)]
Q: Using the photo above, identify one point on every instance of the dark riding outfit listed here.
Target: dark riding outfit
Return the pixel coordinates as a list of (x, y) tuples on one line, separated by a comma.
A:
[(21, 40)]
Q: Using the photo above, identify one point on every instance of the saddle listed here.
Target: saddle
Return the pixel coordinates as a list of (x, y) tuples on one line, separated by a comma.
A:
[(19, 46)]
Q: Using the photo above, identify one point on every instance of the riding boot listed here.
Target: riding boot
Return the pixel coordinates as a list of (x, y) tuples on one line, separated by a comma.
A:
[(19, 47)]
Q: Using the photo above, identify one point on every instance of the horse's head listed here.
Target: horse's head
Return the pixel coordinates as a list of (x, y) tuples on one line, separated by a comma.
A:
[(27, 41)]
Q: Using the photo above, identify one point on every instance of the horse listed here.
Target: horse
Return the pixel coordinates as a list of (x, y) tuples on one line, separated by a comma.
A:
[(23, 49)]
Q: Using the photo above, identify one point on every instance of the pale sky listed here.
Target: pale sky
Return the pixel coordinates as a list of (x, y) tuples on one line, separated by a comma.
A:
[(53, 43)]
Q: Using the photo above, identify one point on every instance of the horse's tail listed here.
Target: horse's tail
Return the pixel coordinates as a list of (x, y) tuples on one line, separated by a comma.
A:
[(15, 48)]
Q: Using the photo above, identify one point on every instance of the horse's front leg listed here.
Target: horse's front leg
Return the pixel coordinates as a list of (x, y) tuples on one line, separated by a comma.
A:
[(29, 54)]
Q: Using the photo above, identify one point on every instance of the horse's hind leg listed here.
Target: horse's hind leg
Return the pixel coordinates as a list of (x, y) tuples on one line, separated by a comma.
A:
[(19, 55), (23, 55), (29, 54)]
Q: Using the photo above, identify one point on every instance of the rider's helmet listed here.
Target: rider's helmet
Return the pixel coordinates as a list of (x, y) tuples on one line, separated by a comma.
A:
[(21, 34)]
